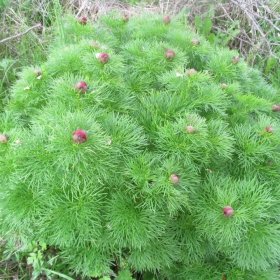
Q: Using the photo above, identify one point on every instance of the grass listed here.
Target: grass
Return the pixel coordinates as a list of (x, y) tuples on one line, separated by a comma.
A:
[(28, 49)]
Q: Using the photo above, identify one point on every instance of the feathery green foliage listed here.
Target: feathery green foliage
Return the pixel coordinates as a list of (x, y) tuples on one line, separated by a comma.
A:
[(109, 205)]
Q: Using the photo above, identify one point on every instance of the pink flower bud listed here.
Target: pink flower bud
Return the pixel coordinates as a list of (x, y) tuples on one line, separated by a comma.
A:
[(81, 87), (235, 59), (228, 211), (169, 54), (275, 107), (191, 72), (166, 19), (79, 136), (223, 85), (103, 58), (4, 138), (82, 20), (174, 179), (195, 41), (269, 129), (190, 129), (95, 45)]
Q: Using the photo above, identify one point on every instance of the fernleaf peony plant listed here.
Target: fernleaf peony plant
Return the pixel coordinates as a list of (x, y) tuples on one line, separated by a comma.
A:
[(137, 150)]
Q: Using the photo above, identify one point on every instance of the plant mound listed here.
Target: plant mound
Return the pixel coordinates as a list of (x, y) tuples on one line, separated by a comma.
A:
[(134, 150)]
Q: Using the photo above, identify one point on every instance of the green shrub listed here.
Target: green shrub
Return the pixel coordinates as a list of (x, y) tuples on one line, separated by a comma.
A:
[(165, 152)]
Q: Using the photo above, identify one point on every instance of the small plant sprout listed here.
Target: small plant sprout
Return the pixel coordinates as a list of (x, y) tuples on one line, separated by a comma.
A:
[(80, 136)]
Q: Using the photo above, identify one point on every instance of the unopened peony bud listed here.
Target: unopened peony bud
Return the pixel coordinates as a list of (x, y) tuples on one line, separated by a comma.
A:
[(235, 59), (190, 129), (228, 211), (81, 87), (103, 58), (95, 45), (195, 41), (174, 179), (37, 73), (169, 54), (79, 136), (191, 72), (166, 19), (82, 20), (269, 129), (275, 107), (4, 138)]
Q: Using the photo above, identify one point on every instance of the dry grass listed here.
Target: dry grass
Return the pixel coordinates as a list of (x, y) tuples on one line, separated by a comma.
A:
[(258, 20)]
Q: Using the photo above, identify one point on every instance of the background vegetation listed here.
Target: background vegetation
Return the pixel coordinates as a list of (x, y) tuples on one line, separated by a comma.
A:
[(26, 28), (250, 26)]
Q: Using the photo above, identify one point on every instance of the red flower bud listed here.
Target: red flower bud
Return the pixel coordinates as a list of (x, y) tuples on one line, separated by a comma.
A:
[(191, 72), (81, 87), (190, 129), (79, 136), (166, 19), (103, 58), (4, 138), (235, 59), (269, 129), (82, 20), (275, 107), (169, 54), (228, 211), (174, 179), (195, 41)]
